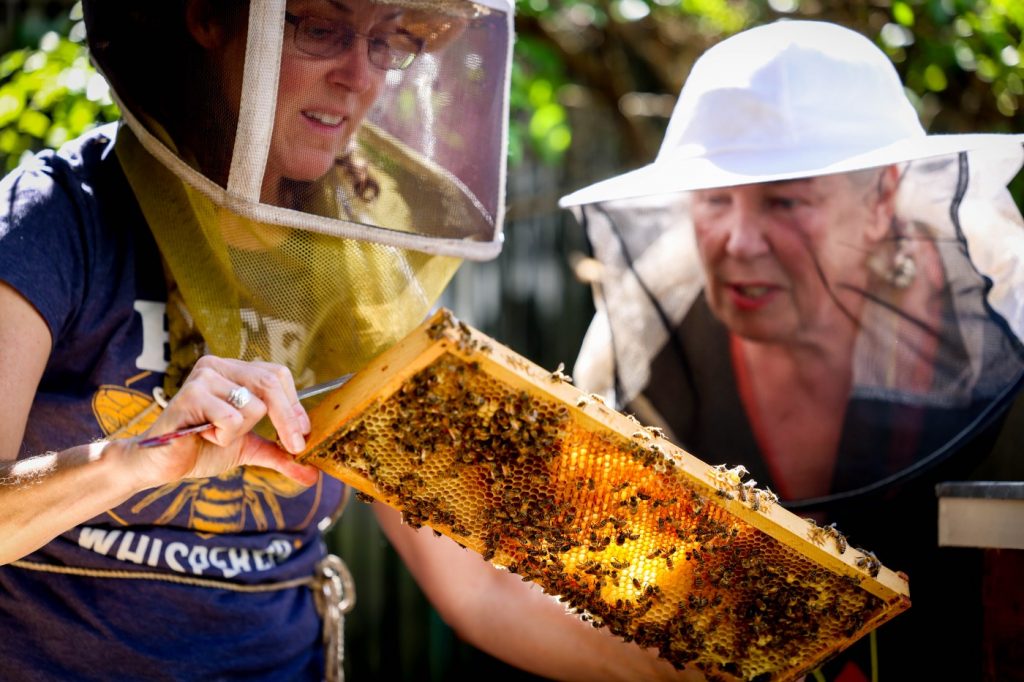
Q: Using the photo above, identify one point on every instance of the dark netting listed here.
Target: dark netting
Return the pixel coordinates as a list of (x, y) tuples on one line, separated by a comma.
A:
[(936, 352)]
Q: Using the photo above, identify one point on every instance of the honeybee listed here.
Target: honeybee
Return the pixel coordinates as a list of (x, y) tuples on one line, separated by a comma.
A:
[(730, 477), (867, 561), (768, 498), (747, 491), (559, 374), (840, 539), (815, 533), (656, 431)]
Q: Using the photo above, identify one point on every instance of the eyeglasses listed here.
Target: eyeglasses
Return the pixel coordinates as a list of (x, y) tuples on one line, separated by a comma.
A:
[(320, 37)]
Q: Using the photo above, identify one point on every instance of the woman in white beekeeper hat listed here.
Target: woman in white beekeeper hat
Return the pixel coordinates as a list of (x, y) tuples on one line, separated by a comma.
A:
[(806, 283), (293, 184)]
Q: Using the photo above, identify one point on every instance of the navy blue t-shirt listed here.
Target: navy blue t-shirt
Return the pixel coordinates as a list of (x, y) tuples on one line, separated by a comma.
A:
[(74, 243)]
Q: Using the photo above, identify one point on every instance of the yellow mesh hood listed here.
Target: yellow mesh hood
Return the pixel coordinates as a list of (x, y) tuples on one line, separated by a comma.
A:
[(321, 305), (275, 116)]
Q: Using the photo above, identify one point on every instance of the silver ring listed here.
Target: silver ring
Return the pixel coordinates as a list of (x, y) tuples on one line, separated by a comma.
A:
[(239, 397)]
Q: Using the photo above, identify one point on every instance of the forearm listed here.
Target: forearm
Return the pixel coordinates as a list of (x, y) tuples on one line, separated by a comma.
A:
[(43, 496), (516, 622)]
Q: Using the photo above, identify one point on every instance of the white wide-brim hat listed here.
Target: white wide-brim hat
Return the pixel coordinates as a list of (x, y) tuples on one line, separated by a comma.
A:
[(788, 100)]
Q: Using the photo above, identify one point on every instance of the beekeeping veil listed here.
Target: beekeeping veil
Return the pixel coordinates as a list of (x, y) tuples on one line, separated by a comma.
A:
[(939, 300), (313, 170)]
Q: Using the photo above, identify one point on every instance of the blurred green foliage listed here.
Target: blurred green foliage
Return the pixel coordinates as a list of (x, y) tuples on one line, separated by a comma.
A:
[(961, 60), (50, 93)]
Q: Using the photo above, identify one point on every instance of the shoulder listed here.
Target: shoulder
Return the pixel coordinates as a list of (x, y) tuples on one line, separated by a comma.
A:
[(51, 224), (51, 185)]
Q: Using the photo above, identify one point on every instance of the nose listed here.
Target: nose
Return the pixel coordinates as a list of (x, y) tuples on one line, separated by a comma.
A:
[(746, 232), (352, 68)]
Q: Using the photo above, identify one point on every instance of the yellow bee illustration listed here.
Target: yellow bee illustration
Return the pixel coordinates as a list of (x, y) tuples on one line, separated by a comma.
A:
[(123, 412), (216, 505), (223, 503)]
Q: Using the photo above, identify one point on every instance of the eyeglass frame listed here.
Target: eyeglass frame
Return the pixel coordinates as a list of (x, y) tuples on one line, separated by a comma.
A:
[(348, 42)]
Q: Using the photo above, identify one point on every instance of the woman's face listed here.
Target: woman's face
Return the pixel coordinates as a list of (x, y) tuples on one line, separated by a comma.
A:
[(322, 100), (783, 259)]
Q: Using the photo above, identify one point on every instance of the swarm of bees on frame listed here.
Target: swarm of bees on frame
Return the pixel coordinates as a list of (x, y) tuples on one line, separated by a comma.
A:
[(602, 519)]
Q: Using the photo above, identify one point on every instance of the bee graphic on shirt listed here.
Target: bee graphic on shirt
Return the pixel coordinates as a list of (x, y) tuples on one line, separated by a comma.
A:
[(224, 503), (215, 505)]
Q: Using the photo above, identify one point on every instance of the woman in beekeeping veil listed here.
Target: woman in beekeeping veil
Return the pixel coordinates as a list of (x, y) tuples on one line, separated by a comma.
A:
[(805, 283), (292, 186)]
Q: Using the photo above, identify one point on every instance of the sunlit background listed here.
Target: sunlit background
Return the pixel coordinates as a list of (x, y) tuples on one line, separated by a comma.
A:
[(593, 85)]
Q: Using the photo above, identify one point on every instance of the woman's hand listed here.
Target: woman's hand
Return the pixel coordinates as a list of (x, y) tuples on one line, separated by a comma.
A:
[(47, 494), (205, 397)]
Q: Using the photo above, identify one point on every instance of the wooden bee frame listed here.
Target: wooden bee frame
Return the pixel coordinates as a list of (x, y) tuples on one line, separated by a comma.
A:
[(512, 461)]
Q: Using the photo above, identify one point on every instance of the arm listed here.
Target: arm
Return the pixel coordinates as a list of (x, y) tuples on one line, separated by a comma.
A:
[(45, 495), (515, 621)]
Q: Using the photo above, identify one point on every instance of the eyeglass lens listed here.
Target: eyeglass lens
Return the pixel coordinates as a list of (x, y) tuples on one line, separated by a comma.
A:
[(327, 38)]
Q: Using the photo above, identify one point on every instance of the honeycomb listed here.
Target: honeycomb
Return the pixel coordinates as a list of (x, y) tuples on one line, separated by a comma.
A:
[(634, 534)]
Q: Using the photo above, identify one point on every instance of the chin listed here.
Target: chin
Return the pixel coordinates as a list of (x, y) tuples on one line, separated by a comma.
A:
[(752, 331), (760, 337), (309, 172)]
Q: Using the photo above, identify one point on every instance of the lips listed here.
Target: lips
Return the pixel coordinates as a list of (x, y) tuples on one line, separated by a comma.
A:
[(752, 295), (324, 118), (752, 291)]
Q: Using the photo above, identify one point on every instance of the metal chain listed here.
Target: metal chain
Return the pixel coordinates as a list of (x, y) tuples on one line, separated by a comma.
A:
[(335, 595)]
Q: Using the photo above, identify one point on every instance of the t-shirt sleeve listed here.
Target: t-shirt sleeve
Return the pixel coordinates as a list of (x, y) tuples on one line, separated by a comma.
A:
[(41, 247)]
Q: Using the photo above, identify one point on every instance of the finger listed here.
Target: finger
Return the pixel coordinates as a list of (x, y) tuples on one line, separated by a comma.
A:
[(274, 386), (217, 380), (260, 452), (194, 404), (209, 399), (286, 412), (292, 402)]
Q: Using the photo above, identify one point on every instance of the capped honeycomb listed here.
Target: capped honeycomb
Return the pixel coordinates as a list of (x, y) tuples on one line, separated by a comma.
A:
[(634, 534)]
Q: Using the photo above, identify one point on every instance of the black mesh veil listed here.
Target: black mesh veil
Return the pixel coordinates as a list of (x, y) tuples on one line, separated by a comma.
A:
[(805, 281), (936, 355)]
